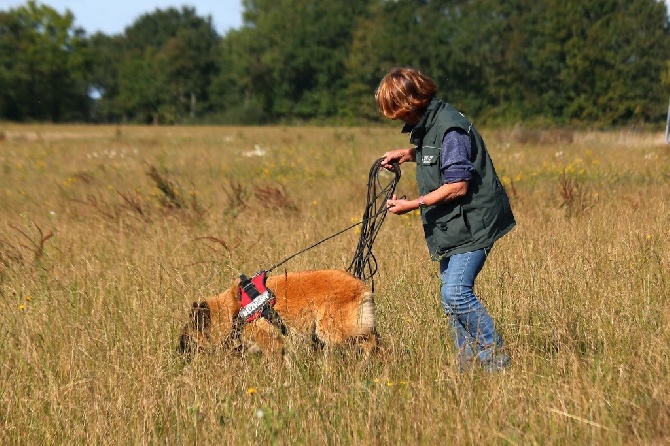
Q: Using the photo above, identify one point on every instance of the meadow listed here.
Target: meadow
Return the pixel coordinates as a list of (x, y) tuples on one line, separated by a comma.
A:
[(108, 234)]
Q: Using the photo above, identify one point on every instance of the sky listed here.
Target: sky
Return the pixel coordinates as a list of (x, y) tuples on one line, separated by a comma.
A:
[(113, 16)]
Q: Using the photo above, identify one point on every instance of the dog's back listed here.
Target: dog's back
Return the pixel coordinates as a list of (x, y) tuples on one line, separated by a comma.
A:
[(331, 305)]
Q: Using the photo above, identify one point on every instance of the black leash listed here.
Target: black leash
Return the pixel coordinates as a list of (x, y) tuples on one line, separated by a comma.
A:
[(364, 263)]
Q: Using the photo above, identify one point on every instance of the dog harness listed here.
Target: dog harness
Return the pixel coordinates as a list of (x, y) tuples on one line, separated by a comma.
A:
[(256, 300)]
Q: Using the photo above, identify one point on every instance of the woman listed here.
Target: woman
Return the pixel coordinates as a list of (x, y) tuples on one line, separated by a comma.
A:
[(464, 207)]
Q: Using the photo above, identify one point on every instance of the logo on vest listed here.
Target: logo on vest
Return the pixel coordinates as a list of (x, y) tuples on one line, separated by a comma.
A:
[(428, 159)]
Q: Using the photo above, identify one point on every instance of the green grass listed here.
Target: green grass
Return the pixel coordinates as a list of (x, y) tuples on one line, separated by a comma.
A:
[(98, 271)]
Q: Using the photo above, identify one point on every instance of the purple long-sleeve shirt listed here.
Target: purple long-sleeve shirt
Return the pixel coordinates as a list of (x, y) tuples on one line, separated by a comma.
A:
[(455, 161)]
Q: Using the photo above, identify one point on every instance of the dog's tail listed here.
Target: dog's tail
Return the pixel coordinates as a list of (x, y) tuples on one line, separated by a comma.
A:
[(366, 321), (367, 336)]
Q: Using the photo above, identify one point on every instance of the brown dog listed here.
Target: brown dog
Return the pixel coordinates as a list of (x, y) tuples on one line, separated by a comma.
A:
[(330, 306)]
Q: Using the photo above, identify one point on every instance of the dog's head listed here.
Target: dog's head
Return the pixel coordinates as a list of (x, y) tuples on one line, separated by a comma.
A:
[(211, 322), (195, 334)]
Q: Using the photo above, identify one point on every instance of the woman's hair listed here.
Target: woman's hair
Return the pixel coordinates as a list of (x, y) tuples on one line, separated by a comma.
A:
[(404, 93)]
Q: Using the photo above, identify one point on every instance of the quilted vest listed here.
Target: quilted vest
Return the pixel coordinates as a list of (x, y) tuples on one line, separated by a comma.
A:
[(479, 218)]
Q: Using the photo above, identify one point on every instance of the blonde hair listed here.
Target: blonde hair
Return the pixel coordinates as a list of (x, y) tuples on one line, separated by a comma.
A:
[(404, 93)]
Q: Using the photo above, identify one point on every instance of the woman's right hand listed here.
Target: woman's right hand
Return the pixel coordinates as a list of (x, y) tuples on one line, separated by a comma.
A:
[(397, 156)]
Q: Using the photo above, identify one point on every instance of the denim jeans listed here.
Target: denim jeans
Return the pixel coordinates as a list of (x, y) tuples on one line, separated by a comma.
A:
[(471, 325)]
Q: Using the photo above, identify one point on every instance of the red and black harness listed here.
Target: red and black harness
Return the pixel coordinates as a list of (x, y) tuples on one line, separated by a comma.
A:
[(257, 300)]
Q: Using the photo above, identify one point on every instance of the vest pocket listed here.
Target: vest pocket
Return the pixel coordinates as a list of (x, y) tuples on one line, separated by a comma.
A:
[(447, 230)]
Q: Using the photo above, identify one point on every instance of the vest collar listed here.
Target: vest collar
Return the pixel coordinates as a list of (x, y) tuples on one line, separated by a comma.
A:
[(418, 130)]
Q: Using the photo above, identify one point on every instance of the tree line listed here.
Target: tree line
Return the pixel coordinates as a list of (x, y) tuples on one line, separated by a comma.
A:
[(555, 62)]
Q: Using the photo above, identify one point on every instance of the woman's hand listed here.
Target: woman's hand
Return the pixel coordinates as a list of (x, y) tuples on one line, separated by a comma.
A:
[(398, 156), (401, 206), (444, 193)]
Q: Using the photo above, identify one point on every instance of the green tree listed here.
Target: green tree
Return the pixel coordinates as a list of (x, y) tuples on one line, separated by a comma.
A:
[(294, 51), (106, 58), (166, 67), (590, 61), (143, 92), (601, 62), (614, 59), (419, 33), (241, 92), (45, 65), (386, 36)]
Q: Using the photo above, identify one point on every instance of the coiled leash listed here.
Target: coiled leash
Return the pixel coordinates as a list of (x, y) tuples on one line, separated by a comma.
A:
[(364, 263), (257, 300)]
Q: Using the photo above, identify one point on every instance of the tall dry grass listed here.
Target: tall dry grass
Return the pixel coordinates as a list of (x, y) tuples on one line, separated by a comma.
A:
[(98, 267)]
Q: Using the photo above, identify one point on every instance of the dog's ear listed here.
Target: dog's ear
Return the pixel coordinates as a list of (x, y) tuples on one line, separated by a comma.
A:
[(199, 323), (201, 316)]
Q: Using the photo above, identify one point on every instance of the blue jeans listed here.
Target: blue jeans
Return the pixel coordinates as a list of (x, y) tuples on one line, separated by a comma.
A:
[(471, 325)]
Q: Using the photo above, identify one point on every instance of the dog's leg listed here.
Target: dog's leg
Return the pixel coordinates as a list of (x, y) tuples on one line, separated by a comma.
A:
[(369, 343), (317, 343), (266, 336)]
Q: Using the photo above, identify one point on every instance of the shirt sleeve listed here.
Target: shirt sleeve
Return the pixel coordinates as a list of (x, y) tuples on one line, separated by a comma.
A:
[(455, 161)]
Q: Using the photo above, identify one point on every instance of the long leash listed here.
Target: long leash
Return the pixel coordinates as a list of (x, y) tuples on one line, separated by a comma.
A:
[(364, 264)]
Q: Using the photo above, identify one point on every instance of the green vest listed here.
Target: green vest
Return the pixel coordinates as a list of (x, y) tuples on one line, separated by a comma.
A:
[(469, 223)]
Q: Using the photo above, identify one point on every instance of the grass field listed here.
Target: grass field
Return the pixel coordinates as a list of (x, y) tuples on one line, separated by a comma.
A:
[(108, 234)]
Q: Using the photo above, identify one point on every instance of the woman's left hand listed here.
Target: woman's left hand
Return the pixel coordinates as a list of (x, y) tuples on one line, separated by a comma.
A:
[(399, 207)]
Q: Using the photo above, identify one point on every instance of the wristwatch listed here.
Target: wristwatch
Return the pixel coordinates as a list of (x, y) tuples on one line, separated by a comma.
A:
[(422, 204)]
